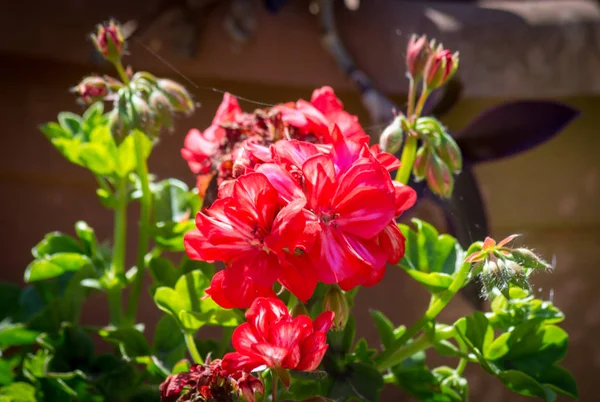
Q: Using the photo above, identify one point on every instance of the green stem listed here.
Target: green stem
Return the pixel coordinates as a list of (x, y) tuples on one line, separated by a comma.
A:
[(121, 71), (191, 346), (419, 109), (146, 205), (274, 381), (119, 248), (115, 308), (411, 97), (408, 159), (462, 364), (388, 360)]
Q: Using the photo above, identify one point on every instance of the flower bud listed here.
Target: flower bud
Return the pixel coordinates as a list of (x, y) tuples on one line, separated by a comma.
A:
[(142, 114), (450, 153), (91, 89), (249, 386), (440, 67), (391, 138), (336, 301), (109, 41), (179, 98), (438, 175), (528, 259), (299, 309), (420, 165), (161, 107), (417, 54), (501, 274)]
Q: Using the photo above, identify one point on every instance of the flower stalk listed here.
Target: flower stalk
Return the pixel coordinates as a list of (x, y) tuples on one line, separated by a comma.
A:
[(191, 346)]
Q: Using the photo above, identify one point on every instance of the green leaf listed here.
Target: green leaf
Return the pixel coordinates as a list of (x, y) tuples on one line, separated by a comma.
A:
[(18, 392), (171, 200), (53, 130), (54, 243), (476, 332), (362, 351), (522, 384), (360, 381), (70, 122), (113, 376), (16, 335), (349, 334), (169, 235), (88, 237), (94, 114), (9, 299), (169, 345), (430, 258), (163, 271), (55, 265), (559, 380), (131, 341), (185, 303), (126, 153), (99, 154), (385, 328)]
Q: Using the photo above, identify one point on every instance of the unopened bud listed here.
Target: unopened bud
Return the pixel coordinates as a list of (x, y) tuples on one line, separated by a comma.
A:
[(161, 107), (417, 54), (249, 387), (528, 259), (298, 309), (450, 153), (91, 89), (438, 175), (179, 98), (118, 124), (142, 114), (501, 274), (440, 67), (420, 165), (391, 138), (109, 41), (336, 301)]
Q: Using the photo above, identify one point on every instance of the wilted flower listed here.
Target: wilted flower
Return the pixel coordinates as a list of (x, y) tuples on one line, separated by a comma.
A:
[(109, 41), (273, 338), (208, 383)]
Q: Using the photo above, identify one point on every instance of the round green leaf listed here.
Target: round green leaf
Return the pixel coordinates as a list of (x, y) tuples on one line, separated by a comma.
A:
[(55, 265)]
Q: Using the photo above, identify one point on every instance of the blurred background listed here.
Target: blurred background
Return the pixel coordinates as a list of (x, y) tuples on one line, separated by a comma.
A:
[(271, 52)]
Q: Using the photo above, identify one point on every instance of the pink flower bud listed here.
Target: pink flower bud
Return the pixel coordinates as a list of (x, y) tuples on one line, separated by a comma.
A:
[(438, 175), (417, 54), (420, 165), (450, 153), (91, 89), (180, 99), (440, 67), (336, 301), (109, 41)]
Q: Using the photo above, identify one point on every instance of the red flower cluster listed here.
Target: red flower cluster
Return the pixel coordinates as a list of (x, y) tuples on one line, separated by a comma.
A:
[(217, 149), (210, 382), (301, 213), (273, 338)]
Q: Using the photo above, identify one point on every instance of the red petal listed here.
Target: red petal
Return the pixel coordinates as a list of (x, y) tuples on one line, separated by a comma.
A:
[(294, 152), (228, 110), (393, 242), (271, 354), (313, 349), (507, 240), (262, 267), (362, 217), (488, 243), (240, 290), (319, 174), (256, 196), (324, 321), (298, 276), (266, 311), (244, 337), (405, 197), (234, 362), (216, 291), (282, 181), (288, 228)]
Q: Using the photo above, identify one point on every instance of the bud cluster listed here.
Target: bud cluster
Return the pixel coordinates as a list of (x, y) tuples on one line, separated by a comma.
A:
[(430, 61), (141, 100), (501, 267)]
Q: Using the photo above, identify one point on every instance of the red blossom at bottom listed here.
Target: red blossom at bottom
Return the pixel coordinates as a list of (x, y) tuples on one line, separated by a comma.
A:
[(208, 383)]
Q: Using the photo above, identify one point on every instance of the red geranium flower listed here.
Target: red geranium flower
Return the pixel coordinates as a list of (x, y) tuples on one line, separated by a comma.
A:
[(273, 338)]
